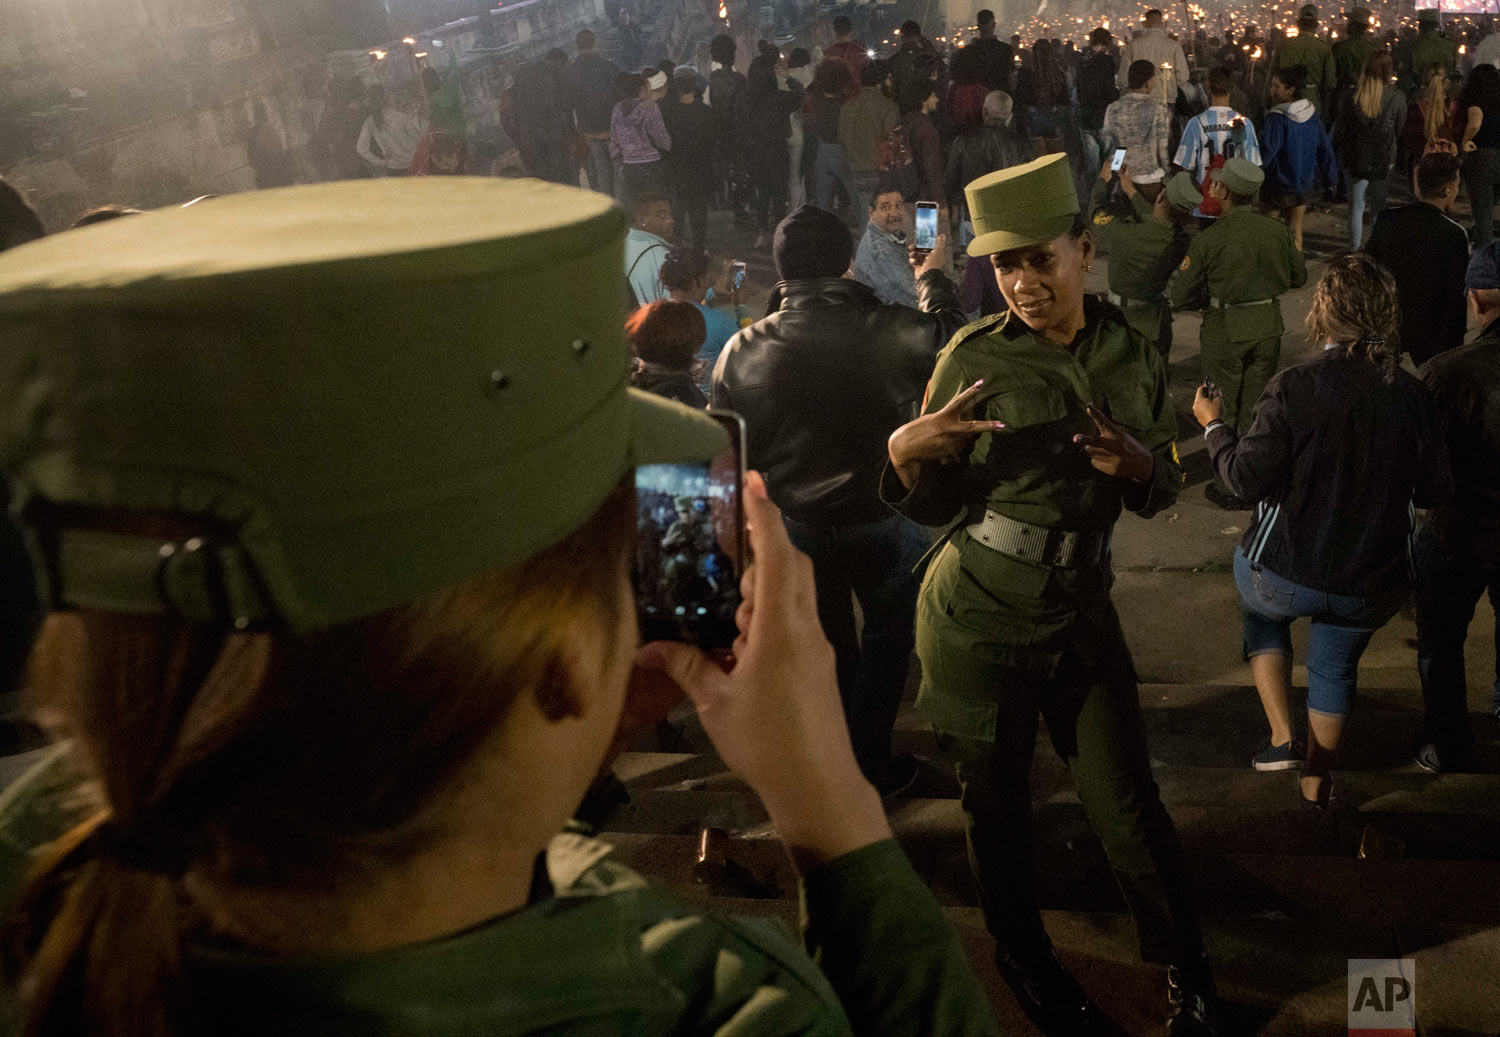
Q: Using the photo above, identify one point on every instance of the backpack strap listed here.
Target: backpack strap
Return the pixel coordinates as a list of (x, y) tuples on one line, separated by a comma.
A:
[(629, 273)]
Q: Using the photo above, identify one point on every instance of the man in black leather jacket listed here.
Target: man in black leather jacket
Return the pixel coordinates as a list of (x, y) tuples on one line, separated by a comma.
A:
[(822, 381)]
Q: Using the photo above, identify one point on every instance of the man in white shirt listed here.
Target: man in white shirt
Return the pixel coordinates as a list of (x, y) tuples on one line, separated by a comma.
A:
[(1153, 44), (1217, 131)]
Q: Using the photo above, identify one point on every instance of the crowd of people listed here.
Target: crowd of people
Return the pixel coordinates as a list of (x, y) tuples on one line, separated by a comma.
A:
[(333, 648)]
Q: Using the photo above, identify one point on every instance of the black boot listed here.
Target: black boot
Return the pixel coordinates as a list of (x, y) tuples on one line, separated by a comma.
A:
[(1225, 498), (1192, 1004), (1051, 997)]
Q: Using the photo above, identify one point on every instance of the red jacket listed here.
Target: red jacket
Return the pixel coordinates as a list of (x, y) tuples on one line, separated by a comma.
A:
[(853, 54)]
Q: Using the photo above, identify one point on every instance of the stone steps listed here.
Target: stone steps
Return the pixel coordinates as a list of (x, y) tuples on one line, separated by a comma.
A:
[(1402, 847)]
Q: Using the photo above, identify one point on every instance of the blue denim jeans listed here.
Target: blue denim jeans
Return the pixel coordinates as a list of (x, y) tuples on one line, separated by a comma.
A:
[(1361, 191), (1448, 588), (1342, 625), (872, 563)]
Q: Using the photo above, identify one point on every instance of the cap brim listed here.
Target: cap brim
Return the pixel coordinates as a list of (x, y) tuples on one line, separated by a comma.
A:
[(1021, 236), (666, 432)]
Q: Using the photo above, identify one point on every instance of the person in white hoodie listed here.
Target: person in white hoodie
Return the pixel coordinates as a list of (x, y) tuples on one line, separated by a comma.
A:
[(1295, 151), (1153, 44)]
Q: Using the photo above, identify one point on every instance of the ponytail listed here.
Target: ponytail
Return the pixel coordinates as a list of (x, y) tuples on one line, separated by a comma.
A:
[(101, 945)]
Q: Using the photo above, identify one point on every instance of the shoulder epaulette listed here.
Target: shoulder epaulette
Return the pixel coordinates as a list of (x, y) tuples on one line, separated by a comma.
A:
[(982, 326)]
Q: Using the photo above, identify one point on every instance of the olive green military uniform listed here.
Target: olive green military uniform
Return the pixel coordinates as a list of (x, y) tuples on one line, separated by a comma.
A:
[(597, 950), (1314, 54), (1143, 252), (1236, 269), (1020, 624), (1431, 49)]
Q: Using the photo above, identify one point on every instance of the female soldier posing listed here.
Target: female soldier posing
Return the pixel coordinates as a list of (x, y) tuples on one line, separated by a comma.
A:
[(1015, 618)]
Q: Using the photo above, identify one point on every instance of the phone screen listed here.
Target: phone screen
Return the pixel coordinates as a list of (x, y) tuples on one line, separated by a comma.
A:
[(739, 275), (1119, 160), (927, 225), (690, 545)]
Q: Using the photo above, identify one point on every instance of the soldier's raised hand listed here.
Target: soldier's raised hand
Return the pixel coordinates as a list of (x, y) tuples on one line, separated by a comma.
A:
[(937, 436), (1114, 451)]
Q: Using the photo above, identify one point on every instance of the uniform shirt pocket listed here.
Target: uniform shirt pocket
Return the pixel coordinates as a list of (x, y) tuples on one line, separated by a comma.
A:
[(1027, 408)]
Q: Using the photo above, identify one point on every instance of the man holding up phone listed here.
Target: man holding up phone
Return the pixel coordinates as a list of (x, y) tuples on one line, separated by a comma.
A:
[(821, 383), (881, 261)]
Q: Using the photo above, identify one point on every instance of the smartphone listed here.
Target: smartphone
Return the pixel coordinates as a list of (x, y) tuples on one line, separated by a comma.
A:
[(736, 275), (927, 226), (1210, 390), (1118, 160), (691, 545)]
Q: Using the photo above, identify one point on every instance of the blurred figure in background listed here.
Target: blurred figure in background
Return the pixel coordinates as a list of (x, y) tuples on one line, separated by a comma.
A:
[(992, 145), (1479, 144), (637, 134), (1462, 561), (389, 138), (1369, 126), (1427, 253), (863, 123), (689, 122), (1096, 92), (590, 82), (851, 52), (826, 103), (764, 123)]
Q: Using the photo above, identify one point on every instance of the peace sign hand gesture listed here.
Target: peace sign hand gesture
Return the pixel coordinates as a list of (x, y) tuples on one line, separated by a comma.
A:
[(1114, 451), (938, 436)]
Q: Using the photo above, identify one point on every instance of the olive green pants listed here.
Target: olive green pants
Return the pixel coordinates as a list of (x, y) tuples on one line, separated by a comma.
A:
[(1094, 719), (1241, 371)]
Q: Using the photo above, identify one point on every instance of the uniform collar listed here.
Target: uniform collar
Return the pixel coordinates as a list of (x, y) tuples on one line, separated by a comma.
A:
[(576, 954)]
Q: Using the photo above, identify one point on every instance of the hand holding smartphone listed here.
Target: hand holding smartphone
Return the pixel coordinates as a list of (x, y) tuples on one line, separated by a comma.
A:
[(690, 545), (1118, 160), (736, 275)]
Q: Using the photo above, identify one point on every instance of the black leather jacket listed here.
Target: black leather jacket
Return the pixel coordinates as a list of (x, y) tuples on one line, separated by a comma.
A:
[(823, 380)]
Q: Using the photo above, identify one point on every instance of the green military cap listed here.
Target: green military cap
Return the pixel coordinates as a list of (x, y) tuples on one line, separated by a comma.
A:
[(1182, 193), (1308, 11), (362, 393), (1361, 15), (1240, 176), (1023, 205)]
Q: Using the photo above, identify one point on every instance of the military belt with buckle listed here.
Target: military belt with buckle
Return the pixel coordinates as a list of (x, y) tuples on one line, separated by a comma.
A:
[(1220, 304), (1064, 549)]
